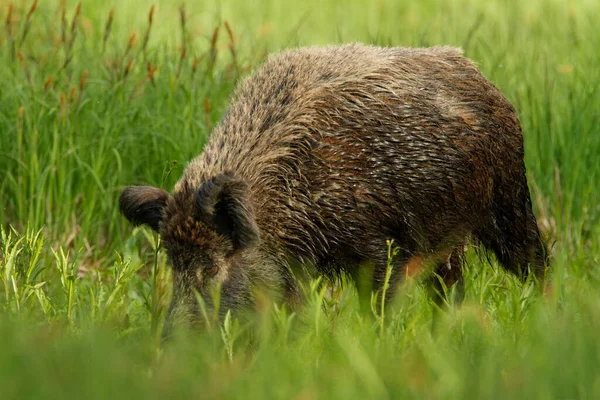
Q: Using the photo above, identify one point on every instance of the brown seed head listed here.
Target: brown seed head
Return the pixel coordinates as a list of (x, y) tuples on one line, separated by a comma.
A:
[(128, 67), (83, 80), (107, 27), (151, 73), (213, 42), (48, 83), (9, 15), (63, 27), (73, 91), (151, 15), (195, 65), (182, 57), (151, 70), (32, 9), (131, 41), (75, 19), (229, 32), (182, 16), (21, 112)]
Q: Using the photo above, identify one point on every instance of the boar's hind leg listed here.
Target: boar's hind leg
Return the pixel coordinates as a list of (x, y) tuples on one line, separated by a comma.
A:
[(370, 276), (447, 275), (512, 232), (407, 263)]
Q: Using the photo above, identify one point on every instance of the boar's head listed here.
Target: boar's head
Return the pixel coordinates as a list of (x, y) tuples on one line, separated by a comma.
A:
[(210, 237)]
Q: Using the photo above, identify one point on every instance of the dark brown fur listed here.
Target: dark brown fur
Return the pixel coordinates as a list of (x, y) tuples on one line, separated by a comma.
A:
[(325, 153)]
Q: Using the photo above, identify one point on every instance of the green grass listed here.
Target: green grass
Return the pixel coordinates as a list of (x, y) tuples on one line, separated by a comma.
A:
[(82, 294)]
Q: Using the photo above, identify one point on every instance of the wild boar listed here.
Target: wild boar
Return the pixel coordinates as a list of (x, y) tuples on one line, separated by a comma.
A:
[(326, 153)]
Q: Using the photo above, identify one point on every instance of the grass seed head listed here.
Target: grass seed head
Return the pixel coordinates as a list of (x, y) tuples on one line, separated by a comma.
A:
[(128, 68), (131, 42), (9, 17), (229, 32), (83, 80), (9, 31), (147, 34), (63, 25), (213, 49), (213, 41), (195, 65), (48, 83), (182, 18), (28, 21), (24, 66), (108, 26), (151, 15), (32, 9), (151, 71), (75, 22), (181, 59)]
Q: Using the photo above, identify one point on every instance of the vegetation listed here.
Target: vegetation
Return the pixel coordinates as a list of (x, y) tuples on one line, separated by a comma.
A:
[(94, 98)]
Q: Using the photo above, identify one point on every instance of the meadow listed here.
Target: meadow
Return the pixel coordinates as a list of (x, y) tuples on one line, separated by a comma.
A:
[(98, 95)]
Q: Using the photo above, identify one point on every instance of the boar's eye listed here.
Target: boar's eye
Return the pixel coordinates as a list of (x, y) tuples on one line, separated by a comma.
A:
[(210, 270), (206, 265)]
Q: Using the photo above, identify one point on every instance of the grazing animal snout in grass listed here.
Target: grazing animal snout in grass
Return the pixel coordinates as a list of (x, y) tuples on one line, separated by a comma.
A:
[(326, 153)]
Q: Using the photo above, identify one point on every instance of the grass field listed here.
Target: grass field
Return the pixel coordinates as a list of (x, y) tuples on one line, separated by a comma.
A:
[(102, 95)]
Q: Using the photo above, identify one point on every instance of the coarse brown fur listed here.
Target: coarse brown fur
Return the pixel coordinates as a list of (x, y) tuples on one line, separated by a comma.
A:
[(326, 153)]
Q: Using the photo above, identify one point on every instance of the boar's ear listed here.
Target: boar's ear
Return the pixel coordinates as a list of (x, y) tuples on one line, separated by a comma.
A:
[(221, 202), (143, 205)]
